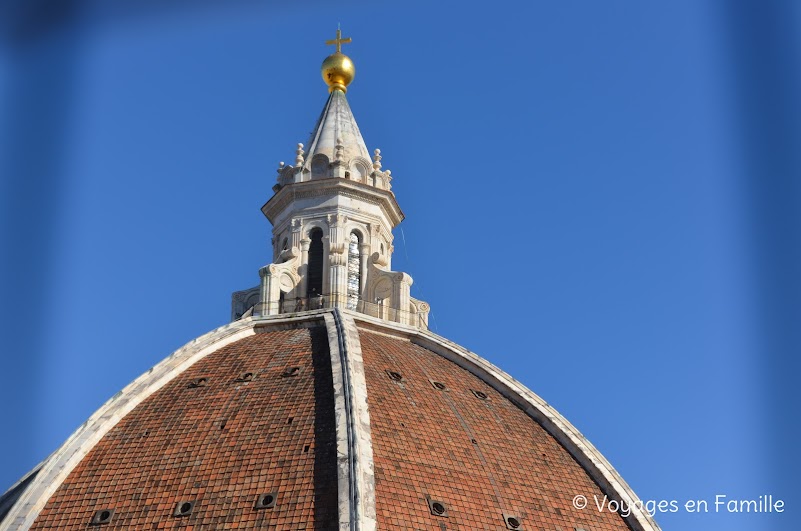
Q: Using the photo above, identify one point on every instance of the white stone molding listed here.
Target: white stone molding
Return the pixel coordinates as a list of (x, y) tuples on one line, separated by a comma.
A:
[(359, 228), (364, 256), (287, 195), (304, 266), (326, 263), (360, 170), (297, 232), (355, 466), (419, 313), (315, 223)]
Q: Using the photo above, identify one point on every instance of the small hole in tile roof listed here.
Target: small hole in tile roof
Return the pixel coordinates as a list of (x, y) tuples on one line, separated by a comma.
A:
[(512, 522), (266, 501), (306, 449), (290, 371), (438, 385), (103, 516), (245, 377), (289, 421), (479, 394), (437, 508), (184, 508), (396, 376), (473, 441), (198, 382)]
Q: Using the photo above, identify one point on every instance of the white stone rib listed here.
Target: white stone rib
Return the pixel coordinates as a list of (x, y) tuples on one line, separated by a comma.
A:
[(355, 467)]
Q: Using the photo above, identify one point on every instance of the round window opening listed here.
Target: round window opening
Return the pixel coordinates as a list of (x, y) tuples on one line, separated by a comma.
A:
[(438, 508), (514, 523)]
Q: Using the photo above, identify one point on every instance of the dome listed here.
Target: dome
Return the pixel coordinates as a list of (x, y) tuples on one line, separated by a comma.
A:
[(306, 421)]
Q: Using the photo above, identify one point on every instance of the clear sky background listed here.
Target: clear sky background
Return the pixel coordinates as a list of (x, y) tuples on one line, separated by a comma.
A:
[(602, 198)]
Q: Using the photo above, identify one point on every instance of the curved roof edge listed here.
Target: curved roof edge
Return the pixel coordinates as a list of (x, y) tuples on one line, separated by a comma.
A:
[(596, 465)]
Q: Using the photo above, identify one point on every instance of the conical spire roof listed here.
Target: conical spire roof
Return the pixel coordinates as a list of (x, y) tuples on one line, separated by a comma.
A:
[(336, 122)]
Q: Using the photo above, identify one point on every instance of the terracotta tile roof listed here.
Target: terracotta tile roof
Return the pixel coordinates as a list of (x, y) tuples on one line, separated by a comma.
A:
[(466, 446), (257, 417), (220, 443)]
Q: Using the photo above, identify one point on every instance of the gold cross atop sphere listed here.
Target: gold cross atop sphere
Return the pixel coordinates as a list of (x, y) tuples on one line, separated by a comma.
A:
[(338, 70), (339, 41)]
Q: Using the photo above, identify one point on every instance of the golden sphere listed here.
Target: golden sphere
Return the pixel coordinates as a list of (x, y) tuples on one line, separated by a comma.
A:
[(338, 71)]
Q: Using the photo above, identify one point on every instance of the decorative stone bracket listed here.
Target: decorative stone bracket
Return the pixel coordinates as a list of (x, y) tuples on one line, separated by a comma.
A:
[(277, 279), (387, 296)]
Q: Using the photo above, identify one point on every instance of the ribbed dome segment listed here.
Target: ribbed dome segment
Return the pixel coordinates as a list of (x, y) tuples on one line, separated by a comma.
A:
[(254, 419), (336, 122), (441, 433)]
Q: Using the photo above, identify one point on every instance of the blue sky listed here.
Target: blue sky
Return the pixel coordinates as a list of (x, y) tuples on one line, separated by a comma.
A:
[(578, 179)]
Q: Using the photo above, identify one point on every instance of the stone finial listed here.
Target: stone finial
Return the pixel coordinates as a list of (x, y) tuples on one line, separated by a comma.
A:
[(280, 167), (299, 158), (340, 150), (377, 160)]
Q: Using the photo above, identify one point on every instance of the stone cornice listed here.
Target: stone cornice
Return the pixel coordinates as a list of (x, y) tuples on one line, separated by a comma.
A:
[(333, 186), (353, 214)]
